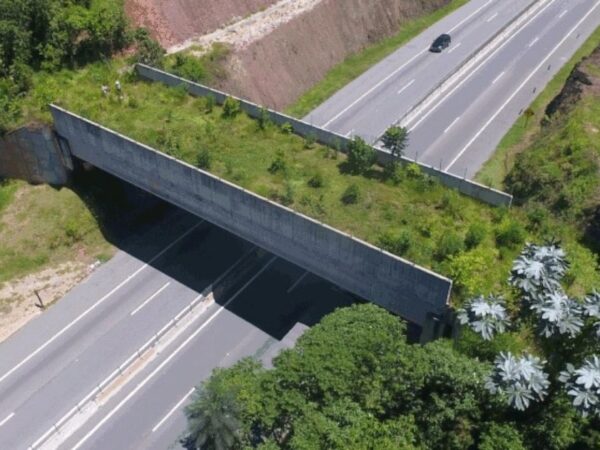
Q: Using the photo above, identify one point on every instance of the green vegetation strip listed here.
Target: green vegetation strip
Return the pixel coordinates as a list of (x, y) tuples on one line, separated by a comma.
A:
[(355, 65), (527, 127), (416, 217)]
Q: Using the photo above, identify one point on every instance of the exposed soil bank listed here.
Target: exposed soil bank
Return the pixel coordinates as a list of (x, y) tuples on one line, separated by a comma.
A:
[(173, 21), (277, 69)]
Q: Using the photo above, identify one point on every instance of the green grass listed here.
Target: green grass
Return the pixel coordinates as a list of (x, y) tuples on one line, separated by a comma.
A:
[(525, 130), (353, 66), (418, 219), (41, 226)]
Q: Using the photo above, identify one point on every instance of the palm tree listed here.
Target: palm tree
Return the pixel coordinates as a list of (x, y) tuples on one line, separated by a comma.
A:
[(213, 422), (522, 380), (583, 385), (485, 315)]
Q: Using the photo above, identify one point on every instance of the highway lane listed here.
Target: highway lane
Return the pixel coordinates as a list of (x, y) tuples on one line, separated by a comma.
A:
[(462, 131), (45, 370), (252, 321), (386, 92)]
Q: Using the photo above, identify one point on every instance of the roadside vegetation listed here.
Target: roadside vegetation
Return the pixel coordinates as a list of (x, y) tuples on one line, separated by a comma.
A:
[(355, 65)]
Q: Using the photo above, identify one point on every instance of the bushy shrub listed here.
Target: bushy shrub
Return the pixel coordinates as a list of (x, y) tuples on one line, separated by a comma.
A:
[(510, 234), (316, 181), (189, 67), (231, 108), (475, 235), (204, 159), (448, 245), (351, 195), (397, 244), (309, 141), (278, 165), (361, 156), (287, 128), (148, 51)]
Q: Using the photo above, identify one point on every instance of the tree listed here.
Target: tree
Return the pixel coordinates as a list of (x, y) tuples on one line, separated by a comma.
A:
[(521, 380), (361, 156), (485, 315), (395, 140), (213, 419), (583, 385)]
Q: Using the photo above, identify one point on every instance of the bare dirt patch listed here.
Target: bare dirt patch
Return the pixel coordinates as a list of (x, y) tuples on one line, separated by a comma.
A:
[(18, 299), (276, 69), (172, 22)]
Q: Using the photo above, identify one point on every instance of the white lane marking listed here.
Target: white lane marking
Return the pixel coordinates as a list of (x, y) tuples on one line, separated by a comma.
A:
[(469, 16), (532, 43), (452, 124), (561, 15), (406, 87), (487, 124), (132, 357), (298, 281), (142, 383), (7, 418), (474, 71), (95, 305), (175, 408), (343, 111), (455, 47), (498, 77), (349, 133), (132, 313), (492, 17)]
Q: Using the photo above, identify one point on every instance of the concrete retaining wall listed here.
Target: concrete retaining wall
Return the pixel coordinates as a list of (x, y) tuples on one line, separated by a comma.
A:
[(394, 283), (466, 187), (33, 154)]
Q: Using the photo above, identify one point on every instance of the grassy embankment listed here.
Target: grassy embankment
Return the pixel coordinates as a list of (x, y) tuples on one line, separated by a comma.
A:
[(42, 226), (355, 65), (526, 131), (418, 219)]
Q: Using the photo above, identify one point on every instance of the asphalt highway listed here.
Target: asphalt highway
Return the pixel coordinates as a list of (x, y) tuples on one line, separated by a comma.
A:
[(51, 364), (387, 91), (459, 131)]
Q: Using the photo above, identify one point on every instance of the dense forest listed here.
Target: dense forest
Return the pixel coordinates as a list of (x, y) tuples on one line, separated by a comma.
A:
[(49, 35)]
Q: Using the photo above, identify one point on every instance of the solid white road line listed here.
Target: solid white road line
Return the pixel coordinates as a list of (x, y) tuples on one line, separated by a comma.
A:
[(452, 124), (532, 43), (474, 71), (498, 77), (492, 17), (142, 383), (343, 111), (125, 364), (95, 305), (7, 418), (298, 281), (132, 313), (487, 124), (560, 16), (454, 47), (406, 87), (175, 408)]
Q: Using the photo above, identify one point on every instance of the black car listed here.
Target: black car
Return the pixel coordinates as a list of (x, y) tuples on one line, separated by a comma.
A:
[(440, 43)]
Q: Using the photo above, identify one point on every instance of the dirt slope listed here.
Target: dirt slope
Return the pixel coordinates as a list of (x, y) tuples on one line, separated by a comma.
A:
[(173, 21), (280, 67)]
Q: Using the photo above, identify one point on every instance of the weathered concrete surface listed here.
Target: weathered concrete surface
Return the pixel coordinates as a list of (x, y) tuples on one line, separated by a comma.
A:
[(33, 154), (396, 284), (467, 187)]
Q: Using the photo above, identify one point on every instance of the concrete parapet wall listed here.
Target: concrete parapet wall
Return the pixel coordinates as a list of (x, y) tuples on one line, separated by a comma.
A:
[(392, 282), (33, 154), (467, 187)]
